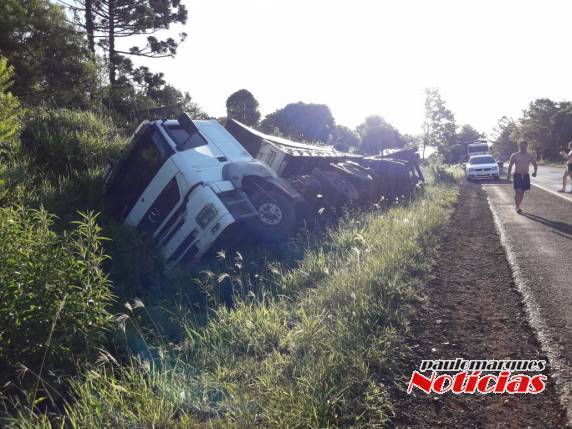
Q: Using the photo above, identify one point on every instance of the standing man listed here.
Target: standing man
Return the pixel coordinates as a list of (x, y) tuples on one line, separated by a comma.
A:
[(568, 170), (521, 161)]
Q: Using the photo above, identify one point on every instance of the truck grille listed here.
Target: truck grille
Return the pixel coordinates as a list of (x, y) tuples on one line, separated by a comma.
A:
[(183, 246)]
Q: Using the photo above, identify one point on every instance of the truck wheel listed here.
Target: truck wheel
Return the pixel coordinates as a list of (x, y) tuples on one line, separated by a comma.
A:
[(336, 185), (276, 215)]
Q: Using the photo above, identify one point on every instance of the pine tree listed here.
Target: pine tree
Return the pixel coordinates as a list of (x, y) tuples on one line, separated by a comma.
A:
[(109, 21)]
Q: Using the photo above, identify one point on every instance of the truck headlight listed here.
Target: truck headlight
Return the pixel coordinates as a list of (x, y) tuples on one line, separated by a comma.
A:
[(206, 215)]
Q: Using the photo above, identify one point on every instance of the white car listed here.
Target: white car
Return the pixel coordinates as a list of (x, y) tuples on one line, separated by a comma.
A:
[(482, 167)]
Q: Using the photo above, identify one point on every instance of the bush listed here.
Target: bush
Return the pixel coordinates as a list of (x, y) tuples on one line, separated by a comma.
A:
[(441, 173), (131, 248), (67, 141), (54, 294)]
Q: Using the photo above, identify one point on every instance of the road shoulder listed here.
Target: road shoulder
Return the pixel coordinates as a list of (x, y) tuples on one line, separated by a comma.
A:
[(474, 311)]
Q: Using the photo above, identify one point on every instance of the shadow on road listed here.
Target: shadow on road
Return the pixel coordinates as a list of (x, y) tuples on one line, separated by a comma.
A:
[(561, 228), (500, 181)]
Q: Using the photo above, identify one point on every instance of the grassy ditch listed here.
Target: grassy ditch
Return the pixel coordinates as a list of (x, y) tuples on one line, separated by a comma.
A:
[(317, 345)]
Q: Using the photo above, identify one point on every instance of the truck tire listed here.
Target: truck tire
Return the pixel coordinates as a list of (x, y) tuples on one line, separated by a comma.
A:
[(336, 186), (276, 215)]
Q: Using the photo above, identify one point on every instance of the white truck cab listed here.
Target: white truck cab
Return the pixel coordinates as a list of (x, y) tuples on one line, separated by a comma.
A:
[(184, 182)]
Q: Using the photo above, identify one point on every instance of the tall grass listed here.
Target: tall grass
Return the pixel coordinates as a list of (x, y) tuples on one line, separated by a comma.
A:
[(63, 141), (54, 295), (318, 345)]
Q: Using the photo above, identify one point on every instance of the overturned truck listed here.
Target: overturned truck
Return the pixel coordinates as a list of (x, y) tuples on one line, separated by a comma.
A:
[(329, 178), (186, 182)]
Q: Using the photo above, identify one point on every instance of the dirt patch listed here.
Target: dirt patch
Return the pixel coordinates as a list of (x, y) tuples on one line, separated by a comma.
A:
[(474, 311)]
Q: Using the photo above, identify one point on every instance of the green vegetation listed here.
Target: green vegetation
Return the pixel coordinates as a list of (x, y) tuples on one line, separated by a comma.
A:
[(54, 296), (10, 110), (58, 162), (545, 124), (95, 333), (377, 135), (69, 141), (312, 336), (441, 131), (314, 345), (242, 106)]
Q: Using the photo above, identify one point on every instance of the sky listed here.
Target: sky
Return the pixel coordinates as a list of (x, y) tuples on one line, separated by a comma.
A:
[(364, 57)]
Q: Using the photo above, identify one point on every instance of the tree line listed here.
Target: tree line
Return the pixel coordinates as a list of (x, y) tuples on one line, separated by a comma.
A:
[(77, 54), (315, 123), (67, 54), (545, 124)]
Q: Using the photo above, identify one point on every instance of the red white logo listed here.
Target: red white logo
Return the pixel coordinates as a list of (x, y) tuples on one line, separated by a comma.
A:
[(461, 376)]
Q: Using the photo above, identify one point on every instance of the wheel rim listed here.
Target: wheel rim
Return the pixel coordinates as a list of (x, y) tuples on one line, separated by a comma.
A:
[(270, 213)]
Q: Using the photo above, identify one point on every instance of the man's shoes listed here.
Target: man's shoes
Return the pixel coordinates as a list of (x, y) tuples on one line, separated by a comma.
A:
[(561, 190), (519, 211)]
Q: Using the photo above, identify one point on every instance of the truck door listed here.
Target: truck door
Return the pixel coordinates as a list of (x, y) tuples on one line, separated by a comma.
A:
[(148, 153)]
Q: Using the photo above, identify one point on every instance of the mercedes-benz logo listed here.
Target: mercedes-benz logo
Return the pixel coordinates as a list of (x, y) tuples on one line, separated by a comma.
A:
[(154, 215)]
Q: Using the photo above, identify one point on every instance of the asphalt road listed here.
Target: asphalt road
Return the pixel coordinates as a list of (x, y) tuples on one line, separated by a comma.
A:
[(550, 180), (538, 245)]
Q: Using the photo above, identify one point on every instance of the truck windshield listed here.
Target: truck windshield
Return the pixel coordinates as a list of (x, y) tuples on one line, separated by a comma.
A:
[(148, 154), (480, 148), (183, 139)]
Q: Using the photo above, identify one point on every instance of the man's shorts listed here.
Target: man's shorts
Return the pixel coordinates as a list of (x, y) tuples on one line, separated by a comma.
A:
[(521, 182), (570, 168)]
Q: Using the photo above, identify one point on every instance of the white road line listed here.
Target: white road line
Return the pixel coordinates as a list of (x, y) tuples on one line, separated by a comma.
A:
[(558, 194)]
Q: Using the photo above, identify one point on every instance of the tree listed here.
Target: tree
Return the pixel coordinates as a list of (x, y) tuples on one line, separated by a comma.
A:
[(536, 127), (110, 20), (505, 143), (310, 122), (458, 151), (49, 55), (146, 91), (562, 128), (377, 135), (10, 110), (412, 141), (547, 126), (168, 95), (344, 139), (439, 125), (243, 107)]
